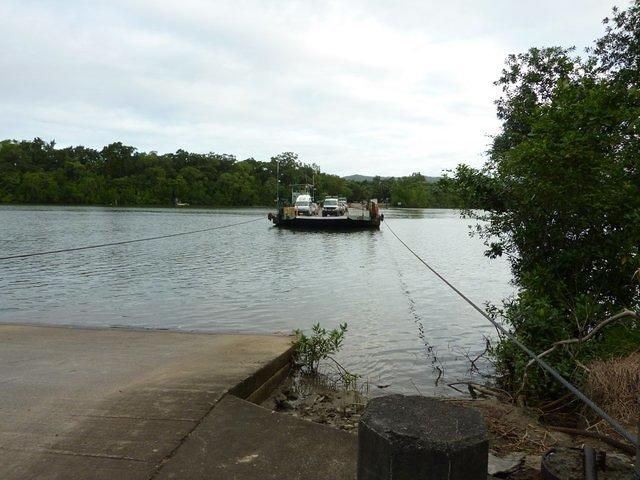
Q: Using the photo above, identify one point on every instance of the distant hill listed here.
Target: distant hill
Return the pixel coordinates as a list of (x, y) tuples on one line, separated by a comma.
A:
[(360, 178), (366, 178)]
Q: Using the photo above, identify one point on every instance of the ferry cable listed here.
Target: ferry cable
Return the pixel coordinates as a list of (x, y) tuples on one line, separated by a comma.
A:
[(587, 401), (87, 247)]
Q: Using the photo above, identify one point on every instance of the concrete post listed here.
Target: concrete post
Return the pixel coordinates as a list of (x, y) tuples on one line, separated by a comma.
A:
[(420, 438)]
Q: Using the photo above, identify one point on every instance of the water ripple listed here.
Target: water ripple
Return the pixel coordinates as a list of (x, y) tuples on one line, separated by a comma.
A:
[(256, 278)]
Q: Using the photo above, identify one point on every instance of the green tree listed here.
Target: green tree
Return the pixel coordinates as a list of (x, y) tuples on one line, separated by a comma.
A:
[(562, 192)]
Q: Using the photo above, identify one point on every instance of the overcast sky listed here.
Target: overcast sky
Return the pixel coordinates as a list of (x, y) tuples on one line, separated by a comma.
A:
[(371, 87)]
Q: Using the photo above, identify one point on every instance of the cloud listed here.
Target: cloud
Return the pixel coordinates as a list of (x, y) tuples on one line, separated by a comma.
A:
[(363, 86)]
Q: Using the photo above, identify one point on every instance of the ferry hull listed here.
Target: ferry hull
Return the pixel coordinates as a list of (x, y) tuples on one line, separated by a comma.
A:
[(327, 223)]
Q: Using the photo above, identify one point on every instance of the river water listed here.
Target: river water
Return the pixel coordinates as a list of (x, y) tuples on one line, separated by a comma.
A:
[(405, 325)]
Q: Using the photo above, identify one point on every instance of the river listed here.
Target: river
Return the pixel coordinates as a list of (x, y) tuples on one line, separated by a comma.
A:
[(405, 325)]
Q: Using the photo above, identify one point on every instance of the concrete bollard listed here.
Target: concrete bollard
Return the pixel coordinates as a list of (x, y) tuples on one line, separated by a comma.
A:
[(421, 438)]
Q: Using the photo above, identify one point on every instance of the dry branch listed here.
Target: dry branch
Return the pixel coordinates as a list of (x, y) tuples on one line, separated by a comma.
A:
[(628, 449), (623, 314)]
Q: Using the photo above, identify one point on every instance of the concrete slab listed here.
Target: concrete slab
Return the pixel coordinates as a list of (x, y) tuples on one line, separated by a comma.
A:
[(85, 403), (243, 441)]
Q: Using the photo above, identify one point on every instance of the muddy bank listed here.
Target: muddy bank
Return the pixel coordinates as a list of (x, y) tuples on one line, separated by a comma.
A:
[(313, 400), (517, 440)]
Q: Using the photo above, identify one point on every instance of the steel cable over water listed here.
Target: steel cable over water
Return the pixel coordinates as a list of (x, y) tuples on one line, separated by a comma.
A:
[(146, 239), (586, 400)]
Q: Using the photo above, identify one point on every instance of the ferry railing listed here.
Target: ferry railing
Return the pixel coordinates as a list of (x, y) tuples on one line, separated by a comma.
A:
[(354, 213)]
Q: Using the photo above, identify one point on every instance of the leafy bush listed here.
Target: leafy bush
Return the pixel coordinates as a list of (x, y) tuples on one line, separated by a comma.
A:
[(320, 345)]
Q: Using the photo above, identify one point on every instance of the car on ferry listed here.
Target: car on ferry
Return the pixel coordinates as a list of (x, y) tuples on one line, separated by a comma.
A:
[(343, 202), (331, 207), (304, 205)]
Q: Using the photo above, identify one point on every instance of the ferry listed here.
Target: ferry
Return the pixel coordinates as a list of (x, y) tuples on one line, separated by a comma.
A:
[(335, 214)]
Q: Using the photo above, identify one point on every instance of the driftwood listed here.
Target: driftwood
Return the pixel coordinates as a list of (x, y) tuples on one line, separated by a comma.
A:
[(623, 314), (556, 404), (628, 449), (482, 389)]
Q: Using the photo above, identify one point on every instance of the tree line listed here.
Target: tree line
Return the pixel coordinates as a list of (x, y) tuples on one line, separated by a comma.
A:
[(35, 171)]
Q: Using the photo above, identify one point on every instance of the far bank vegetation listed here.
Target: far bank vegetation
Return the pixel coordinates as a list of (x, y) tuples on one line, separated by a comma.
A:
[(35, 171)]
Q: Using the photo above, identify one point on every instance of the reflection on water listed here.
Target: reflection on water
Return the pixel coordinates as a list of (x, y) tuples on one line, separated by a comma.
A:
[(404, 324)]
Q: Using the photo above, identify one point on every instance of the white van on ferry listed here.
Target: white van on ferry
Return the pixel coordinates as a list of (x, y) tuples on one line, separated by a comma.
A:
[(304, 205)]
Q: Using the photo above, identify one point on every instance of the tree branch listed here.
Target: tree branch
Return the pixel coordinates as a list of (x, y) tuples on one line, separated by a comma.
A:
[(623, 314)]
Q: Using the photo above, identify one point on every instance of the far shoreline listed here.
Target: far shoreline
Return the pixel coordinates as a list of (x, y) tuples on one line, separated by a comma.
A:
[(166, 207), (193, 207)]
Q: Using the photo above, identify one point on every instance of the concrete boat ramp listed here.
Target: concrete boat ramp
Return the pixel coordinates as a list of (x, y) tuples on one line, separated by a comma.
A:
[(125, 404)]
